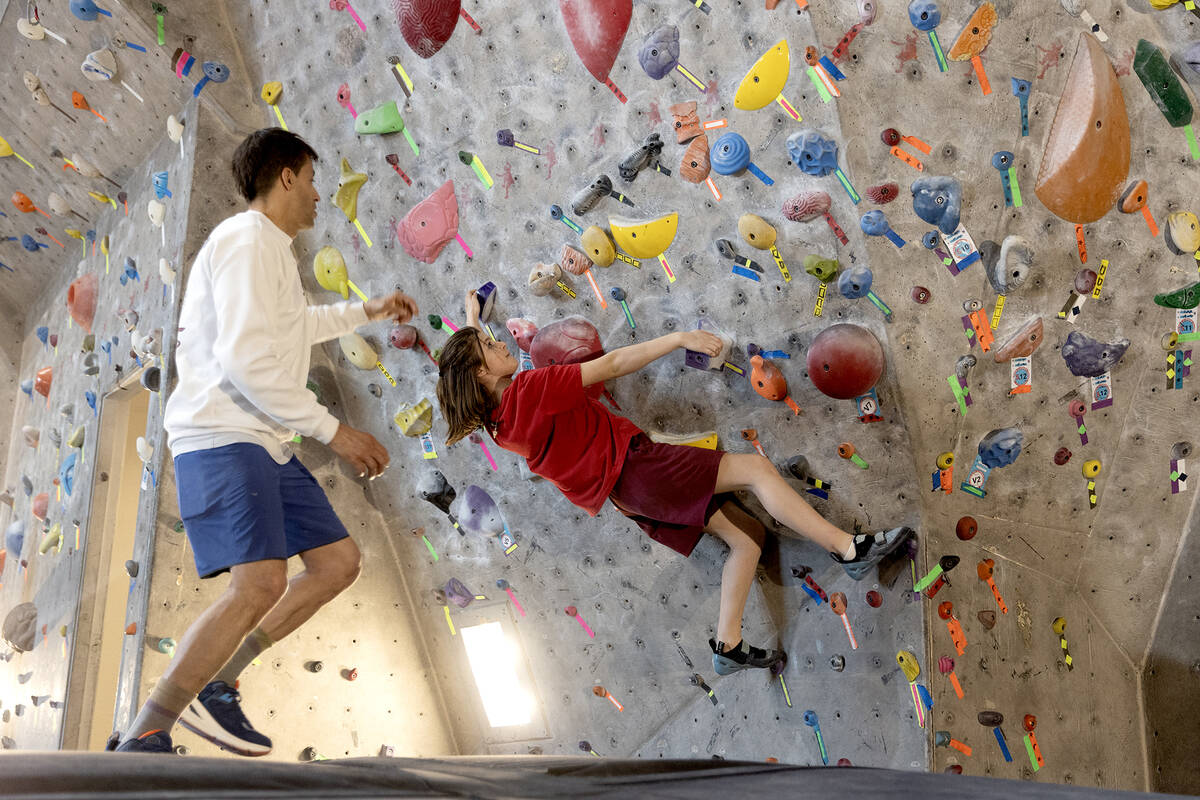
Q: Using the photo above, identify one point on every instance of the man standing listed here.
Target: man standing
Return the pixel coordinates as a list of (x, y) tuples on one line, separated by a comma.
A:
[(248, 504)]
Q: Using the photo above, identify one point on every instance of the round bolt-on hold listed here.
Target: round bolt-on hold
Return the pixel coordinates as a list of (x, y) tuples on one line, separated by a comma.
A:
[(1170, 340), (945, 609), (931, 239), (844, 762), (1181, 450), (308, 753), (874, 599), (1076, 408), (1091, 468), (571, 611), (181, 750), (1029, 723), (890, 137), (314, 666), (1085, 281), (131, 568), (350, 674), (973, 305), (846, 450), (920, 295), (1061, 456), (945, 460), (501, 584), (966, 529), (837, 663), (987, 618), (599, 691)]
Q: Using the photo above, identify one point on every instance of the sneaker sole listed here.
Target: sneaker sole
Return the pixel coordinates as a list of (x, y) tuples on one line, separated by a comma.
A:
[(197, 720), (859, 571), (730, 667)]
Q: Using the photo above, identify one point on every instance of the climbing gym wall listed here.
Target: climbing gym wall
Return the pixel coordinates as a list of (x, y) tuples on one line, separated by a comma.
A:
[(960, 186)]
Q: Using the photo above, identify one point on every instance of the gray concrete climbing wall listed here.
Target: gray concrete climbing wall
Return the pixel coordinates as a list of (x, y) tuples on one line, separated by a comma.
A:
[(33, 702), (1106, 571)]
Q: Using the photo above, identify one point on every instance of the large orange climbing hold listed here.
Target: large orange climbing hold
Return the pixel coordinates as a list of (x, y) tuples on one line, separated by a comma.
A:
[(975, 34), (1086, 161), (597, 29), (42, 381)]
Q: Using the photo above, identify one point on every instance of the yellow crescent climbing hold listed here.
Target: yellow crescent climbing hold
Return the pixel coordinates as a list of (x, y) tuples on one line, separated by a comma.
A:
[(644, 239), (908, 663), (766, 79), (330, 269)]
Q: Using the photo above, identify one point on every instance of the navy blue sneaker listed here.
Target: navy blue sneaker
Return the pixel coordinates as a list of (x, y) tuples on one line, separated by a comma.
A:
[(216, 715), (727, 662), (150, 742), (870, 549)]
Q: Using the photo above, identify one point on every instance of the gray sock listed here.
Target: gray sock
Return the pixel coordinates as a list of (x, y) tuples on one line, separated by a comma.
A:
[(253, 645), (161, 710)]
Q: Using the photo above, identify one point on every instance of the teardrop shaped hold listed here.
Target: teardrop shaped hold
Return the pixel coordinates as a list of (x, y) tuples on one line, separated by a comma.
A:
[(426, 25), (81, 300), (330, 269), (694, 165), (1086, 161), (596, 29)]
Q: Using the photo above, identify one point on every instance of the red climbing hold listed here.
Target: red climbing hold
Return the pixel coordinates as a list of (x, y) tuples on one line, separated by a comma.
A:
[(597, 29), (845, 361), (426, 25)]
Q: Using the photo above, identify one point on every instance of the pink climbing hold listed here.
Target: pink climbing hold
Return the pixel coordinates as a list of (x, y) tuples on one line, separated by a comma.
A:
[(523, 331), (430, 225), (426, 25)]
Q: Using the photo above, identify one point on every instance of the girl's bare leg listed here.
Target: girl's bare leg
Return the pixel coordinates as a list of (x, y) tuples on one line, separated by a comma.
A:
[(744, 535), (756, 474)]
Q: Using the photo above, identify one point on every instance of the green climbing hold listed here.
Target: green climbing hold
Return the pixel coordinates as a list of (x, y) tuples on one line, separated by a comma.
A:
[(1187, 297), (1164, 87), (381, 119), (823, 269)]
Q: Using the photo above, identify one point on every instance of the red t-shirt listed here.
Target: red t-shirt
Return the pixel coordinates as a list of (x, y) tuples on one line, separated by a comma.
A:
[(565, 435)]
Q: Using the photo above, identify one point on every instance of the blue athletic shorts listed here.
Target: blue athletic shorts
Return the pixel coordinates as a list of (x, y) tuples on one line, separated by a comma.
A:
[(238, 505)]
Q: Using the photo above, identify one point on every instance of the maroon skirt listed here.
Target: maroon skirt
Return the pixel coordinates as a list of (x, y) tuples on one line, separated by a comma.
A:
[(667, 489)]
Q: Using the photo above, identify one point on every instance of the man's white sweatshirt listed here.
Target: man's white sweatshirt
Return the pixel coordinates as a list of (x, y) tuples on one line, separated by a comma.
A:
[(246, 333)]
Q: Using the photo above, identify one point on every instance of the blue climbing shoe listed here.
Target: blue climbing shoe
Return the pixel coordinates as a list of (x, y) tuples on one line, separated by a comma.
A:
[(216, 715)]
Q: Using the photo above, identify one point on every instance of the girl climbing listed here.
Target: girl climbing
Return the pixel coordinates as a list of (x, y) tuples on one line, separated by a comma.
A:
[(550, 417)]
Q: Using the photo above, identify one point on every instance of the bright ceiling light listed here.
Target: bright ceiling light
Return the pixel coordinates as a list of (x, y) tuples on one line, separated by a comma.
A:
[(495, 663)]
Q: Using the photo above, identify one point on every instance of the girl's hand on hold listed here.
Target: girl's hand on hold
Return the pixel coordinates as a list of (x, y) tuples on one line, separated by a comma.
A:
[(701, 342), (471, 306)]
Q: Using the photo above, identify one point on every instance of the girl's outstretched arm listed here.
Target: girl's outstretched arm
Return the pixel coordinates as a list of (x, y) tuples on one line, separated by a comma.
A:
[(625, 360)]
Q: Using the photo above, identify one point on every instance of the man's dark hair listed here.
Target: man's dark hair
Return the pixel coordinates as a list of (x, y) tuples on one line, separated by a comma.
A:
[(260, 159)]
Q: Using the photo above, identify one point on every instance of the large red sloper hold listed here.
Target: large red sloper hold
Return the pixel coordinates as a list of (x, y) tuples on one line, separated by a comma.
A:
[(426, 25), (597, 29)]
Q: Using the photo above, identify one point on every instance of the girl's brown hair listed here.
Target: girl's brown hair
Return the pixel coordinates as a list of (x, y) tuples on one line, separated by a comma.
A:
[(464, 401)]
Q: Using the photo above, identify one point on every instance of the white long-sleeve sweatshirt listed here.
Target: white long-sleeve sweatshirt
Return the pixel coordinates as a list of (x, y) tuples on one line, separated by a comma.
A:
[(245, 343)]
